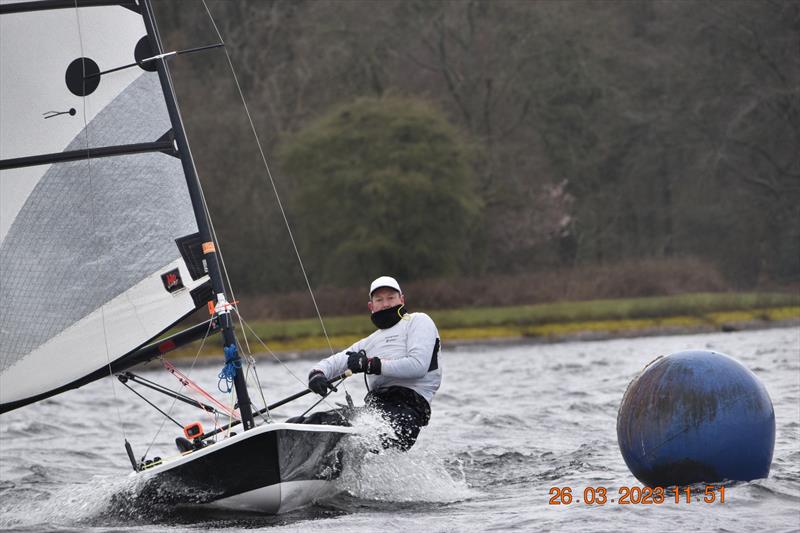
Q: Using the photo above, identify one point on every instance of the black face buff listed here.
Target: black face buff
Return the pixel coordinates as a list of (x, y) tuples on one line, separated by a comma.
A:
[(388, 317)]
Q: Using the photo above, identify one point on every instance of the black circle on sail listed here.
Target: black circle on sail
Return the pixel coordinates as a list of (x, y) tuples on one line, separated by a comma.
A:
[(143, 51), (82, 76)]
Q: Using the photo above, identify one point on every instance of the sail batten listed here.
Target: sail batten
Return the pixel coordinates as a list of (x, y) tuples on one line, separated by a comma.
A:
[(92, 204), (166, 147), (25, 6)]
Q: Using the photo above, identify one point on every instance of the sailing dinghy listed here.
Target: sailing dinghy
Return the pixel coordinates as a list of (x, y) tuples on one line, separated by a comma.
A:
[(105, 244)]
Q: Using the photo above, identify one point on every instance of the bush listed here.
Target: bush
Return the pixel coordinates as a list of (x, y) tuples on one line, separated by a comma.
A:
[(378, 186)]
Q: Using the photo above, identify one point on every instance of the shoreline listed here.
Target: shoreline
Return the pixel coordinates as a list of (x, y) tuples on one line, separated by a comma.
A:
[(576, 333), (589, 336)]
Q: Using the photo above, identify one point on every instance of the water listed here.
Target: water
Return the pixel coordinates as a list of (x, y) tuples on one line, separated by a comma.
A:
[(508, 424)]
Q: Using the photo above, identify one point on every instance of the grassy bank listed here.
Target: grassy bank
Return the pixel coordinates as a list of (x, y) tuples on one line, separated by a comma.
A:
[(557, 320)]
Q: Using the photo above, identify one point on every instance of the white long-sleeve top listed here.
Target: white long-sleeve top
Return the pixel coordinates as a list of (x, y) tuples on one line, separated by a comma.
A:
[(405, 351)]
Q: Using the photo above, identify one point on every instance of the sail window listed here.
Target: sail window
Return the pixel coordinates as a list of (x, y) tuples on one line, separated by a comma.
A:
[(82, 76), (144, 51)]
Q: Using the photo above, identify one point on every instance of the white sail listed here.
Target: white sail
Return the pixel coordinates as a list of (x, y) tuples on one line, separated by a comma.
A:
[(89, 265)]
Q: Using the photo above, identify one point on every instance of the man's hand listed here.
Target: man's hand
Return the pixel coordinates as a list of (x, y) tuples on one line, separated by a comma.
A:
[(359, 362), (318, 383)]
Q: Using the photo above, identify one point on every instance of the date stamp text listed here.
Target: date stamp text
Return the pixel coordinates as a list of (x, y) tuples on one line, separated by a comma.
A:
[(636, 495)]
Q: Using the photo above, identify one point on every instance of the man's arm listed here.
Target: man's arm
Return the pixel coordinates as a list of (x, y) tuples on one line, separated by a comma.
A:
[(422, 335), (336, 364)]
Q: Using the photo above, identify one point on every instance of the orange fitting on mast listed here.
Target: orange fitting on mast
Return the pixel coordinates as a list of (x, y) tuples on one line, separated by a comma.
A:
[(209, 248)]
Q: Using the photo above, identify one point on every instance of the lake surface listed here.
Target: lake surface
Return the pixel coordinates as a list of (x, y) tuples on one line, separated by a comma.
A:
[(509, 423)]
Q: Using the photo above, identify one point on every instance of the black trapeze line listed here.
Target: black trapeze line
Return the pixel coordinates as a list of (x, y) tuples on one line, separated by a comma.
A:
[(334, 381), (125, 376), (75, 155), (154, 406), (151, 59), (46, 5)]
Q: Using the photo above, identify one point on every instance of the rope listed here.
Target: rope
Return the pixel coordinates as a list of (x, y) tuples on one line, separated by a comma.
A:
[(185, 381), (175, 400), (274, 356), (288, 370), (94, 225), (154, 406), (310, 408), (230, 418), (221, 263), (251, 365), (228, 372), (218, 256), (269, 175), (165, 459)]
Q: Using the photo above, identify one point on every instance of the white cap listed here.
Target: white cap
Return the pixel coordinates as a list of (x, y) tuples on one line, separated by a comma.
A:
[(384, 281)]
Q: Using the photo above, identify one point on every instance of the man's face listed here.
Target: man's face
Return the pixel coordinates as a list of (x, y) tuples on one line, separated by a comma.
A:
[(384, 298)]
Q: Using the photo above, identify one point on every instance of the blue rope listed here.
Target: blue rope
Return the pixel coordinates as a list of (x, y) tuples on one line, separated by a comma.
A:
[(228, 372)]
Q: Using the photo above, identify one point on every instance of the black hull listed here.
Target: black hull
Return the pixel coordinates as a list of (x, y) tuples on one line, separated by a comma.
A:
[(251, 471)]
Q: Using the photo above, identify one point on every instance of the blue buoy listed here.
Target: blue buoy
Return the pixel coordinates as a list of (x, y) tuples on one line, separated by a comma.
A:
[(696, 416)]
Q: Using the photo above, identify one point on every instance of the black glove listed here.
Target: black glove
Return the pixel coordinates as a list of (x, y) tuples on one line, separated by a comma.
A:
[(359, 362), (318, 383)]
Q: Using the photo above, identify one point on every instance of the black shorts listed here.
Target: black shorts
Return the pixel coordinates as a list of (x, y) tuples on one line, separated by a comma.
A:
[(402, 407)]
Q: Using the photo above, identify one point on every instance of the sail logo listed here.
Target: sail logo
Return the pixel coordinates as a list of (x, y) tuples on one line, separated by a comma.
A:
[(172, 280)]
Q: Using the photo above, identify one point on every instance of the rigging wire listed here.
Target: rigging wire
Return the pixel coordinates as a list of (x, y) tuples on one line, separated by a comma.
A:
[(251, 365), (154, 406), (269, 175), (224, 269), (93, 224), (175, 400), (279, 360), (186, 381), (218, 256), (274, 355)]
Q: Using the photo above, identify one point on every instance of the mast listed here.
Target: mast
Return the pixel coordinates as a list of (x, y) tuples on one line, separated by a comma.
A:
[(198, 204)]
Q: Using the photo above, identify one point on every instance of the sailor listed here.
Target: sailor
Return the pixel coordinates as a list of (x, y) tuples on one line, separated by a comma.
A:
[(401, 361)]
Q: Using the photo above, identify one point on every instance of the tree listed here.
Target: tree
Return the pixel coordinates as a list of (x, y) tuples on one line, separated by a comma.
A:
[(381, 186), (608, 131), (757, 161), (485, 63)]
